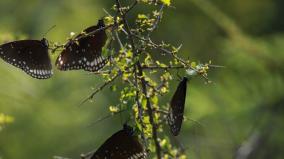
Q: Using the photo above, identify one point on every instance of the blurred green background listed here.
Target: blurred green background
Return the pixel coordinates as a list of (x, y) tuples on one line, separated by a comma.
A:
[(241, 112)]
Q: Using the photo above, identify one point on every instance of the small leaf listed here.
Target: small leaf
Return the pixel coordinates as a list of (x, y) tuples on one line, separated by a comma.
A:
[(113, 109), (113, 88), (142, 16), (193, 64), (166, 2), (163, 143), (154, 100)]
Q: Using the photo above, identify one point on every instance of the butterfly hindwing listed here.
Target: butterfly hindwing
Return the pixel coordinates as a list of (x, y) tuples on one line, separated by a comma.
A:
[(176, 110), (29, 55), (84, 52), (121, 145)]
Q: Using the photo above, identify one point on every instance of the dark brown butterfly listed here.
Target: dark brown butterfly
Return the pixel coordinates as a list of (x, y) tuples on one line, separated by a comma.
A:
[(29, 55), (176, 110), (84, 52), (121, 145)]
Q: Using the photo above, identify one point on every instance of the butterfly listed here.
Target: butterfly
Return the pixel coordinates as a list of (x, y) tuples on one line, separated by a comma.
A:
[(176, 110), (84, 52), (121, 145), (29, 55)]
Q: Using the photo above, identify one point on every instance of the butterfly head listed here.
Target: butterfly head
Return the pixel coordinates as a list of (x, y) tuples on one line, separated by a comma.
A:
[(128, 129), (45, 42), (101, 23)]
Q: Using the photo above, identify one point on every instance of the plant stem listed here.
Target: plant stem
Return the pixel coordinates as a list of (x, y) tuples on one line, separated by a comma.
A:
[(143, 81)]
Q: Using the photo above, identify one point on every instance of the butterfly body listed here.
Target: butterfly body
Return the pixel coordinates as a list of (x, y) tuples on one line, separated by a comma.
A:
[(121, 145), (29, 55), (84, 52), (176, 110)]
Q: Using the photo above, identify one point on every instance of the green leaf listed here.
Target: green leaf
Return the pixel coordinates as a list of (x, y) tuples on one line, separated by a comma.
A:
[(113, 88), (154, 100), (166, 2)]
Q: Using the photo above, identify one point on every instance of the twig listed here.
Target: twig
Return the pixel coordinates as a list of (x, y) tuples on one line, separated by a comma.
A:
[(56, 47), (132, 6), (100, 72), (80, 37), (106, 117), (140, 109), (93, 32), (161, 67), (149, 41), (164, 112), (118, 40), (124, 21), (100, 88), (158, 19)]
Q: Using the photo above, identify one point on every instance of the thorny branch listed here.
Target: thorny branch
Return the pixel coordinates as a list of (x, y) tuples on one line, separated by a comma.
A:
[(140, 109), (143, 82), (150, 42)]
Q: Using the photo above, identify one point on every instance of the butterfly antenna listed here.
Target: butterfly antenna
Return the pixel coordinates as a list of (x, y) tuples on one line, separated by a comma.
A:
[(195, 121), (44, 35), (216, 66), (106, 12)]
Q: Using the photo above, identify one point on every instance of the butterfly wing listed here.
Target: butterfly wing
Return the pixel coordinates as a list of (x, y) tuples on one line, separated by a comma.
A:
[(176, 110), (121, 145), (29, 55), (84, 52)]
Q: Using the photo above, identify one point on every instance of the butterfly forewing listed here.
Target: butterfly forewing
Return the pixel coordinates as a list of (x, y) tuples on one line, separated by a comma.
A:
[(84, 52), (176, 110), (29, 55), (121, 145)]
